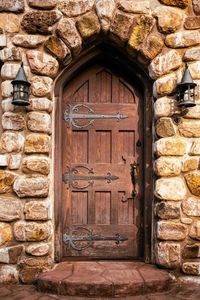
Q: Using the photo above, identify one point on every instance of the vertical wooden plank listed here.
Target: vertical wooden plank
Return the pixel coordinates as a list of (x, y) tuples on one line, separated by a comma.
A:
[(103, 208)]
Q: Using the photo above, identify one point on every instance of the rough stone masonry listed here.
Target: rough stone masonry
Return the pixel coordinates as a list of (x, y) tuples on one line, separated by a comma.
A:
[(48, 35)]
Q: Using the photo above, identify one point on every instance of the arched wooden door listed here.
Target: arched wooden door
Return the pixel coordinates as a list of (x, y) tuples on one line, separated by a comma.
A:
[(102, 135)]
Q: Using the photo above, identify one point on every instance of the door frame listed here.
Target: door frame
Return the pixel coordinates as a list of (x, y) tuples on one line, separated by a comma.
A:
[(144, 84)]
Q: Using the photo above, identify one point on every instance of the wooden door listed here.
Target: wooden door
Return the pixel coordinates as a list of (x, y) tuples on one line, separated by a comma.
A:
[(101, 139)]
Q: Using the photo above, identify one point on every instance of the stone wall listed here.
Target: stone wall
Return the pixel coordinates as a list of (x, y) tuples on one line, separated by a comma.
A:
[(47, 36)]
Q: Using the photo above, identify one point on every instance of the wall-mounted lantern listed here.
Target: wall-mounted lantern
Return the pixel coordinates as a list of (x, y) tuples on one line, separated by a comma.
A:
[(186, 90), (21, 88)]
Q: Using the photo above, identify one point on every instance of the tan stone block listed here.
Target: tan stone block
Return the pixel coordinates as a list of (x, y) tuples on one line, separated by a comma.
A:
[(164, 63), (88, 25), (178, 3), (191, 207), (193, 182), (10, 70), (170, 189), (191, 268), (14, 161), (167, 166), (165, 85), (6, 181), (121, 26), (37, 211), (11, 142), (191, 251), (186, 220), (58, 48), (3, 41), (9, 274), (168, 230), (165, 127), (10, 255), (74, 8), (39, 249), (41, 86), (7, 105), (172, 146), (39, 186), (3, 160), (10, 209), (105, 11), (168, 210), (10, 23), (196, 6), (5, 233), (28, 41), (12, 6), (36, 164), (190, 164), (191, 54), (193, 112), (192, 22), (31, 231), (140, 32), (183, 39), (169, 19), (39, 122), (168, 255), (189, 128), (195, 230), (13, 121), (152, 46), (44, 4), (195, 68), (67, 31), (195, 149), (10, 54), (6, 89), (40, 104), (165, 107), (37, 143), (136, 6), (42, 63)]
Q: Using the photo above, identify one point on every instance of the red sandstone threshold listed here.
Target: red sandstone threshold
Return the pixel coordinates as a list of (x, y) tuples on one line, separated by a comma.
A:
[(103, 279)]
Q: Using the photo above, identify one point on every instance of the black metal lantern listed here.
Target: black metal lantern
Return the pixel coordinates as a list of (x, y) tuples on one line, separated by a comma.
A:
[(186, 90), (21, 88)]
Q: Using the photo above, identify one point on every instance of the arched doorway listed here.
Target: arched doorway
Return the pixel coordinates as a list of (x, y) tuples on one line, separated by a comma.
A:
[(103, 188)]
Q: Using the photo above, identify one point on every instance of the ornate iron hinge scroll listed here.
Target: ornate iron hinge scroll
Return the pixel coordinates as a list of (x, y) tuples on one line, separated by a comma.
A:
[(73, 176), (88, 238), (73, 114)]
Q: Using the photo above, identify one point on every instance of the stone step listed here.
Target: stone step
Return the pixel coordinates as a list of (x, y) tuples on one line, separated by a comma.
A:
[(103, 279)]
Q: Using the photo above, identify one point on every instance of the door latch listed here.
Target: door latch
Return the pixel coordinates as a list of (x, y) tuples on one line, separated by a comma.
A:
[(134, 178)]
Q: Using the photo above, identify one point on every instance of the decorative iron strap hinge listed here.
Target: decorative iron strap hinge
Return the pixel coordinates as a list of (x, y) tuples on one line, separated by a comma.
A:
[(72, 114), (74, 241), (73, 176)]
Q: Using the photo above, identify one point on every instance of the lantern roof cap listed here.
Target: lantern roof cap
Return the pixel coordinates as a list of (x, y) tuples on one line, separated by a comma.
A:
[(187, 78), (21, 76)]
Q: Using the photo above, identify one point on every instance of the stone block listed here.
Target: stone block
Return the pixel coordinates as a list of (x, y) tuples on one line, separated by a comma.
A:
[(192, 22), (152, 46), (28, 41), (39, 122), (36, 164), (3, 160), (165, 85), (6, 181), (191, 251), (168, 210), (193, 112), (10, 70), (165, 127), (191, 207), (88, 25), (193, 182), (191, 268), (14, 161), (40, 21), (9, 274), (196, 6), (183, 39), (170, 189), (169, 19), (40, 104), (195, 69), (168, 230), (6, 89), (39, 249), (67, 31), (178, 3), (190, 164), (37, 211), (44, 4), (31, 231), (10, 54), (5, 233), (74, 8), (37, 143), (165, 107), (194, 232), (121, 26), (41, 86), (105, 11), (172, 146), (12, 5), (42, 63), (167, 166), (164, 63), (10, 255), (13, 121), (168, 255), (10, 209), (3, 41), (189, 128), (136, 6), (7, 105), (195, 149), (10, 23), (11, 142), (39, 186), (58, 48)]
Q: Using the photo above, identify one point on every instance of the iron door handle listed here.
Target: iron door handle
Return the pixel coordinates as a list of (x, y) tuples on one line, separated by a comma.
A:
[(134, 178)]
